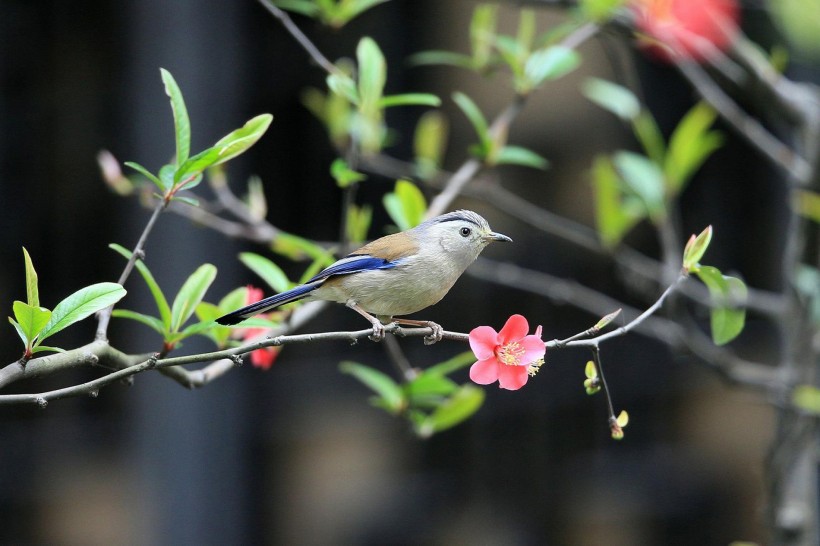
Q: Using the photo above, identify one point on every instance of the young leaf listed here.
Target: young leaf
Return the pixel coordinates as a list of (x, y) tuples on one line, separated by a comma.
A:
[(32, 292), (268, 271), (429, 142), (728, 294), (344, 175), (449, 58), (456, 409), (409, 99), (372, 74), (615, 214), (182, 125), (550, 63), (389, 393), (152, 322), (146, 173), (79, 305), (228, 147), (696, 248), (482, 34), (162, 303), (191, 293), (461, 360), (344, 86), (406, 205), (31, 319), (690, 145), (612, 97), (476, 119), (516, 155), (644, 178)]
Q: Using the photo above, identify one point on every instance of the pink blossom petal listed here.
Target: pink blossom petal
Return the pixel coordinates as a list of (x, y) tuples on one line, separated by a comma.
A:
[(534, 349), (253, 295), (485, 372), (483, 341), (512, 377), (515, 329)]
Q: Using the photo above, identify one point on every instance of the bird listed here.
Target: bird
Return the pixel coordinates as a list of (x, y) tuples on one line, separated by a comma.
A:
[(395, 275)]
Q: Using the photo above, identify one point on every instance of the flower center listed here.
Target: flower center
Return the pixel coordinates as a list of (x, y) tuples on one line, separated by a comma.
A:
[(510, 353)]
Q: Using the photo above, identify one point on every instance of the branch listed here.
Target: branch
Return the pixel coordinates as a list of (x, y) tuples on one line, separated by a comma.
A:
[(300, 37)]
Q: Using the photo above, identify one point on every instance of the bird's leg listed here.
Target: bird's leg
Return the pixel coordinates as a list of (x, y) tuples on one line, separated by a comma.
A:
[(438, 331), (378, 327)]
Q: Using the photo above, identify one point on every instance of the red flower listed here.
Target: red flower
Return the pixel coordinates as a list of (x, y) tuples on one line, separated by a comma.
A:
[(260, 358), (688, 29), (509, 356)]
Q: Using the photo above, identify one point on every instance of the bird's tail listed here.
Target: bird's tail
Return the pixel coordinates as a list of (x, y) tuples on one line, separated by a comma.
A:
[(267, 304)]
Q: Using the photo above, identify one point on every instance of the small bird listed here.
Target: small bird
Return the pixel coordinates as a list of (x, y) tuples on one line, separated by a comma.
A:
[(396, 275)]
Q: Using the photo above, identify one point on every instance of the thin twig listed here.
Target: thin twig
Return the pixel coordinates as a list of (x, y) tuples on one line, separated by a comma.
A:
[(104, 316), (300, 37)]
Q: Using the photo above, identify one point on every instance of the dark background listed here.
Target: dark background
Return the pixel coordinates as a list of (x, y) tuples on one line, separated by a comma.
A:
[(296, 455)]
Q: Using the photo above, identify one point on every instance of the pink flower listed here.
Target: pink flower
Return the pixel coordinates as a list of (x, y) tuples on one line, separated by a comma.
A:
[(688, 29), (509, 356), (260, 358)]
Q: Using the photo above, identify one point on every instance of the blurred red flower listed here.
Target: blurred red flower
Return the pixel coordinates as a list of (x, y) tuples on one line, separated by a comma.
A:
[(686, 29), (260, 358), (509, 356)]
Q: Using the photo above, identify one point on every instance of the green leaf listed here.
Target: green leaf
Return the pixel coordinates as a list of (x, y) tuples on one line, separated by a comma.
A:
[(343, 174), (308, 8), (690, 145), (159, 298), (146, 173), (79, 305), (406, 205), (268, 271), (409, 99), (31, 319), (32, 292), (428, 390), (228, 147), (460, 406), (807, 204), (343, 86), (482, 34), (696, 248), (298, 248), (182, 125), (461, 360), (43, 348), (612, 97), (358, 222), (191, 293), (599, 10), (649, 135), (644, 178), (389, 393), (728, 295), (152, 322), (607, 319), (429, 142), (448, 58), (615, 214), (476, 118), (550, 63), (372, 74), (516, 155), (807, 398)]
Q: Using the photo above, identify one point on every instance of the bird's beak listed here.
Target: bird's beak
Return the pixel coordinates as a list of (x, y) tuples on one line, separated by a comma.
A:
[(492, 236)]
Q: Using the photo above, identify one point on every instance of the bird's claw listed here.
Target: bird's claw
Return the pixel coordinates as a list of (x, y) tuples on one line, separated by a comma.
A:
[(435, 336), (378, 332)]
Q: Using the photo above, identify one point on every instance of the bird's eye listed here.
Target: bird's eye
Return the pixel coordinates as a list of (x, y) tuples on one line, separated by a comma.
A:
[(465, 231)]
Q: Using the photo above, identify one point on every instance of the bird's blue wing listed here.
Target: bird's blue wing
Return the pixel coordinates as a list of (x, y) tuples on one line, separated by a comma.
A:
[(354, 264)]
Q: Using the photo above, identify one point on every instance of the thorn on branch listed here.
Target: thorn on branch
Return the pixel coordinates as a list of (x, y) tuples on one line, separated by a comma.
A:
[(237, 360), (41, 402)]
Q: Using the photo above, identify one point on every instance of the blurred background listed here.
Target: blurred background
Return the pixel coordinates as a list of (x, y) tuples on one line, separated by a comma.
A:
[(295, 455)]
